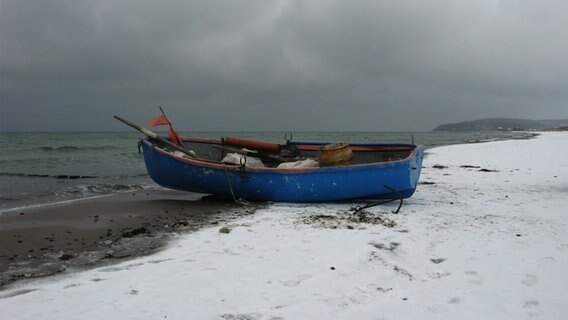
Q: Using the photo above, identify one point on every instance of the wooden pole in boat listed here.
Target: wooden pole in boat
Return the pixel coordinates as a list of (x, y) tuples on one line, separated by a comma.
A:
[(155, 136)]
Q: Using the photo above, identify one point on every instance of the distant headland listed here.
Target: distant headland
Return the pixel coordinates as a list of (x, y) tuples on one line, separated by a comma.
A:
[(504, 124)]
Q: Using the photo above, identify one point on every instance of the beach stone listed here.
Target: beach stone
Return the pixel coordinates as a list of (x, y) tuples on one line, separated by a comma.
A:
[(135, 232), (179, 224), (66, 257)]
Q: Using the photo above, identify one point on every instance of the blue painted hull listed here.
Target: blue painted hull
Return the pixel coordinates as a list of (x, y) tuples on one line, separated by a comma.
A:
[(349, 182)]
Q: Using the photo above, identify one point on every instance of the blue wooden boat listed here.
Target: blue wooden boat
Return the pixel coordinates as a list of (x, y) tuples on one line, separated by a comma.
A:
[(372, 171)]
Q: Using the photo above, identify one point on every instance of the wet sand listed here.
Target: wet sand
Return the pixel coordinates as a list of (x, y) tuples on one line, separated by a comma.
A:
[(57, 238)]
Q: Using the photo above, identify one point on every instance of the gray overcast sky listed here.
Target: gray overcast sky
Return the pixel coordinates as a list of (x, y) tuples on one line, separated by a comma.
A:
[(280, 65)]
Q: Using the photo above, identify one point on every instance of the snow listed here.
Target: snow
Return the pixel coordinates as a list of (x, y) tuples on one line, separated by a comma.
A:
[(468, 245)]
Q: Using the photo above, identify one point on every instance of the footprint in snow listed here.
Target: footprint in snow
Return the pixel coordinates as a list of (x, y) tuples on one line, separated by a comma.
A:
[(437, 308), (473, 277), (295, 282), (529, 280), (531, 309), (455, 300), (391, 247), (438, 274)]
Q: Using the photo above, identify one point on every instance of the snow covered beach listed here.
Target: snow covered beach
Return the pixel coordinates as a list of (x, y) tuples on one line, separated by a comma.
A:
[(485, 236)]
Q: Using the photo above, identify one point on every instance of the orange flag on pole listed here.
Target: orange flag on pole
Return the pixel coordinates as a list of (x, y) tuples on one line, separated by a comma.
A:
[(160, 120)]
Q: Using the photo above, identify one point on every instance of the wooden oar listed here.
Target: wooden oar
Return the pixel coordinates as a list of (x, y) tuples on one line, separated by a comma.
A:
[(155, 136), (252, 153)]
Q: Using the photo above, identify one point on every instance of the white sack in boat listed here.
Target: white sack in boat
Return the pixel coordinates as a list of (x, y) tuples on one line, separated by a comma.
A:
[(308, 163), (183, 155), (235, 158)]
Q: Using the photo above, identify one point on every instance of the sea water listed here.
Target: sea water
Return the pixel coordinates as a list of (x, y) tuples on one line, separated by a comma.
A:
[(45, 168)]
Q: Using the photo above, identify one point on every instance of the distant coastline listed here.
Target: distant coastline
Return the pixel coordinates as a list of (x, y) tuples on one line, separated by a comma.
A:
[(505, 124)]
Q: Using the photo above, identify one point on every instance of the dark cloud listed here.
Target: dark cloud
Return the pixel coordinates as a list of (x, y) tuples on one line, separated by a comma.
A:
[(280, 65)]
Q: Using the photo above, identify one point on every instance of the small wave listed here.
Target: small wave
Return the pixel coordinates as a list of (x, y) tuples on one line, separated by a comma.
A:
[(35, 175), (60, 149), (136, 175), (105, 188), (63, 149), (8, 198)]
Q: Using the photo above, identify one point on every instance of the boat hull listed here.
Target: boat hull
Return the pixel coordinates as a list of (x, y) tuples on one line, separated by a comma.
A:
[(362, 181)]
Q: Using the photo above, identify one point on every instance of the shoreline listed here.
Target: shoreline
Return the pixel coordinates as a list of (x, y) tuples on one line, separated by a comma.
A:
[(45, 240), (57, 203)]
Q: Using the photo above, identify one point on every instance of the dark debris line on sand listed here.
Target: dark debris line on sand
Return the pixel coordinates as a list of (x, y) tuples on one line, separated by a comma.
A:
[(465, 166), (348, 220), (52, 239)]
